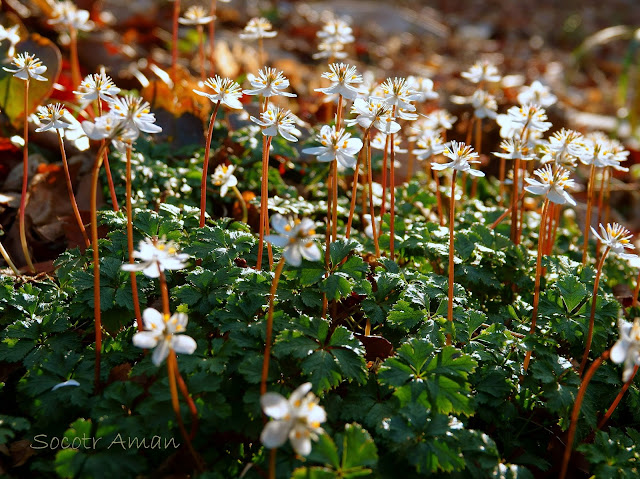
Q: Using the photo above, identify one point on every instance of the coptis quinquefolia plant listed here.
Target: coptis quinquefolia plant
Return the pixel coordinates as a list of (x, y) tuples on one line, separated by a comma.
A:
[(450, 283)]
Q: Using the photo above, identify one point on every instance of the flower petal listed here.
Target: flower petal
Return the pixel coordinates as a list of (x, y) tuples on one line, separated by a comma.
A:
[(275, 434), (275, 405), (183, 344)]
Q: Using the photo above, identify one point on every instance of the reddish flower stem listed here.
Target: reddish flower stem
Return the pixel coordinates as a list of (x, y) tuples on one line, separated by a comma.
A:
[(587, 221), (269, 333), (575, 413), (264, 197), (174, 41), (536, 294), (203, 72), (72, 198), (385, 161), (205, 165), (132, 274), (107, 167), (617, 400), (452, 207), (594, 299), (354, 190), (372, 213), (25, 181), (514, 201), (96, 265), (75, 63), (392, 205)]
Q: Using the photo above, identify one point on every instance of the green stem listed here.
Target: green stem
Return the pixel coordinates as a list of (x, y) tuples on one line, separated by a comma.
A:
[(7, 260)]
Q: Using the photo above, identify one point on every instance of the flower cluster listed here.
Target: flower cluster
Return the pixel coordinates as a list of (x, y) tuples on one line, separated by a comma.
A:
[(297, 419), (296, 239)]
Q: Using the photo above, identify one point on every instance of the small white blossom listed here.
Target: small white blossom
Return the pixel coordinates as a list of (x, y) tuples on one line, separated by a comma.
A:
[(336, 145), (134, 113), (627, 349), (295, 238), (552, 185), (484, 104), (297, 419), (617, 238), (537, 94), (225, 91), (461, 157), (514, 149), (595, 150), (428, 144), (163, 335), (562, 148), (482, 71), (51, 116), (373, 112), (257, 28), (196, 15), (341, 76), (97, 85), (10, 34), (397, 92), (67, 15), (423, 87), (156, 257), (269, 82), (27, 66), (336, 30), (276, 121), (438, 119), (379, 141), (531, 117), (224, 178)]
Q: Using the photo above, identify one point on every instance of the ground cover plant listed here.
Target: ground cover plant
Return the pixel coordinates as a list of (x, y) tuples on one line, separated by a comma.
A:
[(264, 247)]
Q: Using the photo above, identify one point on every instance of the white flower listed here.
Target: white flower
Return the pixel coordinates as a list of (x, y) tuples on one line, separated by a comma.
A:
[(514, 149), (97, 85), (297, 418), (277, 120), (379, 141), (10, 34), (28, 66), (552, 184), (396, 92), (196, 15), (225, 91), (69, 16), (440, 119), (482, 71), (108, 126), (257, 28), (295, 238), (329, 49), (337, 31), (627, 349), (224, 178), (530, 117), (336, 145), (51, 116), (562, 147), (341, 76), (461, 156), (484, 104), (428, 144), (163, 334), (156, 256), (373, 112), (537, 94), (134, 113), (269, 82), (595, 150), (617, 238), (423, 87)]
